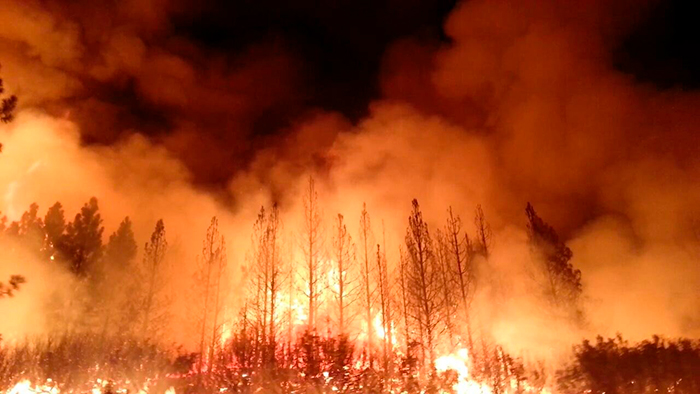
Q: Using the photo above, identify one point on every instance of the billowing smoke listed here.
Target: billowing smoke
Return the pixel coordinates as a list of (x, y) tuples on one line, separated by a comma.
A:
[(524, 104)]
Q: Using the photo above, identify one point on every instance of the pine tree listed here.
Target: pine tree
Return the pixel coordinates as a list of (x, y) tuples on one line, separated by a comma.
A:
[(343, 286), (210, 282), (54, 228), (312, 247), (268, 276), (423, 282), (461, 252), (83, 240), (152, 281), (121, 247), (366, 238), (7, 106), (562, 281), (483, 233), (112, 277)]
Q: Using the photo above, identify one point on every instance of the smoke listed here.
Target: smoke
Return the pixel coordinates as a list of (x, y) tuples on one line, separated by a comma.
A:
[(523, 104)]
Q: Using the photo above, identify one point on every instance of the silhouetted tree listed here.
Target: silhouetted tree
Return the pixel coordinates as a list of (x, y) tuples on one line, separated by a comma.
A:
[(614, 366), (267, 277), (344, 286), (461, 252), (152, 282), (312, 247), (7, 106), (83, 240), (384, 304), (423, 282), (367, 273), (54, 228), (483, 233), (29, 229), (442, 259), (210, 285), (562, 281), (112, 277)]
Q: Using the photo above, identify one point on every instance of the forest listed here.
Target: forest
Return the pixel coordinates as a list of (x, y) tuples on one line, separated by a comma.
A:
[(312, 309)]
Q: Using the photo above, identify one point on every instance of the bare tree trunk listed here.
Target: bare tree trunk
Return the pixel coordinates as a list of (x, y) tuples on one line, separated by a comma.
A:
[(365, 233), (312, 249)]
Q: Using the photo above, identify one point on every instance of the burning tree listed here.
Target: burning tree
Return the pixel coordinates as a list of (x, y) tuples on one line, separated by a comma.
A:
[(461, 255), (423, 283), (312, 247), (268, 276), (210, 281), (343, 285), (366, 268)]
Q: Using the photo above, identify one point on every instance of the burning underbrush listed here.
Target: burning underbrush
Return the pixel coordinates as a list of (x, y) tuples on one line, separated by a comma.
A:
[(313, 363)]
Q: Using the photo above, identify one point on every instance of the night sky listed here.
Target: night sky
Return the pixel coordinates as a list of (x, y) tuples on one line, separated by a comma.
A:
[(342, 43)]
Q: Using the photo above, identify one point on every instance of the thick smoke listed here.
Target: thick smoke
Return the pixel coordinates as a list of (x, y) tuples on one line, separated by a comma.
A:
[(523, 104)]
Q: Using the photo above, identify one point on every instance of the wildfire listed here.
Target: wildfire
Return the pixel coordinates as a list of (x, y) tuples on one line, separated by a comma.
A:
[(459, 363), (49, 387)]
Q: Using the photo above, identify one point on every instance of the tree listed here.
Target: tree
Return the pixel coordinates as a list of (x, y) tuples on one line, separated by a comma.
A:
[(210, 285), (442, 258), (366, 241), (83, 240), (562, 281), (112, 283), (423, 282), (54, 228), (121, 247), (461, 252), (384, 303), (7, 106), (483, 233), (343, 284), (30, 228), (267, 276), (312, 246), (153, 279)]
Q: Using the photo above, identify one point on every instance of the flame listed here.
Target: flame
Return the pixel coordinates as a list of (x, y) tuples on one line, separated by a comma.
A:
[(49, 387), (378, 327), (459, 363), (226, 332), (25, 387)]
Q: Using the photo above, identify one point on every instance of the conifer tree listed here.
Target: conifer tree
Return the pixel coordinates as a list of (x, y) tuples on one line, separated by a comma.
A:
[(423, 282), (312, 248), (153, 276), (54, 229), (210, 282), (83, 245), (344, 286), (366, 240), (562, 281), (7, 106)]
